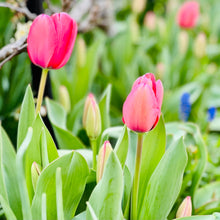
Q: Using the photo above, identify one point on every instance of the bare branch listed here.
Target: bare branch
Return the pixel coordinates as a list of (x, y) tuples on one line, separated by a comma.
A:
[(22, 10), (11, 50)]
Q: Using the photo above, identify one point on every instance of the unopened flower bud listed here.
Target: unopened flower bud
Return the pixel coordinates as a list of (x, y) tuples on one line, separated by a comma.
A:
[(92, 117), (35, 173), (138, 6), (183, 42), (64, 98), (135, 31), (150, 21), (160, 69), (185, 209), (81, 52), (103, 156), (200, 45)]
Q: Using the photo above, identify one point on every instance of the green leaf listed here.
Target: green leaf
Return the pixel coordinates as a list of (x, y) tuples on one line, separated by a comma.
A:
[(59, 194), (10, 175), (165, 183), (153, 149), (7, 209), (74, 174), (91, 211), (127, 192), (21, 175), (207, 197), (107, 196), (104, 106), (44, 207), (3, 192), (26, 117), (34, 153), (57, 116), (121, 147)]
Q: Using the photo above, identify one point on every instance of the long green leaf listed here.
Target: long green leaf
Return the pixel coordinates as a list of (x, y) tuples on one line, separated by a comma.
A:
[(106, 198), (165, 184), (74, 175), (7, 209), (153, 149), (26, 117), (21, 176), (10, 175), (33, 153)]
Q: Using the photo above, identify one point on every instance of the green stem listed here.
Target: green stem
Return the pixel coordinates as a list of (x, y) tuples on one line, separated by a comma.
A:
[(94, 149), (41, 89), (134, 197)]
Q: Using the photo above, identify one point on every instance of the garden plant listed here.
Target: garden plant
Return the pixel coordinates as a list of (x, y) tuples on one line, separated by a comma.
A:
[(109, 110)]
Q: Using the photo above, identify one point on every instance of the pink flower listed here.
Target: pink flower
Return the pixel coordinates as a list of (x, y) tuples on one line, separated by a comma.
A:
[(142, 108), (188, 14), (51, 40)]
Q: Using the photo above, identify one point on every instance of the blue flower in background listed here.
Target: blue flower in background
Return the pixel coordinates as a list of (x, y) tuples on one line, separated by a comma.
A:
[(185, 106), (211, 113)]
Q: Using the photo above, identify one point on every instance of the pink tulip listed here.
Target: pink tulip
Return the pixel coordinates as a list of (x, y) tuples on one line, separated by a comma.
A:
[(51, 40), (142, 108), (188, 14)]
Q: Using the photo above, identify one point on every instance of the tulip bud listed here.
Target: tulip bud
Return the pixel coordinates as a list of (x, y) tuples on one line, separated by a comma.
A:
[(200, 45), (103, 156), (161, 26), (135, 31), (81, 52), (188, 14), (160, 68), (185, 208), (138, 6), (53, 50), (150, 20), (211, 68), (183, 42), (92, 117), (35, 173), (142, 107), (64, 98)]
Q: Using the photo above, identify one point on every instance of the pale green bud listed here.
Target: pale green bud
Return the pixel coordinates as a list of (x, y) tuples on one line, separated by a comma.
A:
[(92, 117), (138, 6), (183, 42), (103, 156), (185, 208), (135, 31), (35, 173), (64, 98), (81, 52), (200, 45)]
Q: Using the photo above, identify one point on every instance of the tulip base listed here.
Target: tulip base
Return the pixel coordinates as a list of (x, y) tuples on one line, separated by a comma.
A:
[(134, 198), (41, 89)]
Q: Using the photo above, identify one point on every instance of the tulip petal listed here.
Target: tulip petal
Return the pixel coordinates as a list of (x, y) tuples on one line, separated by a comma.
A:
[(66, 30), (141, 109), (41, 40), (159, 92)]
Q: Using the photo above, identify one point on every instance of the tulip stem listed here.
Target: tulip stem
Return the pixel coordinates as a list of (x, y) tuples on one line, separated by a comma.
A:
[(41, 89), (94, 149), (134, 197)]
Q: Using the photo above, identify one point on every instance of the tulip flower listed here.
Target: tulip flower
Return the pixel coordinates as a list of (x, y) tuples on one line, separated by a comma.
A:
[(150, 21), (141, 112), (185, 209), (49, 44), (188, 14), (211, 113), (51, 40), (142, 108)]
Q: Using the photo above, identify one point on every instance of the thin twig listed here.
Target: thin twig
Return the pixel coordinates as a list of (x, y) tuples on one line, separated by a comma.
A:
[(11, 50), (22, 10)]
